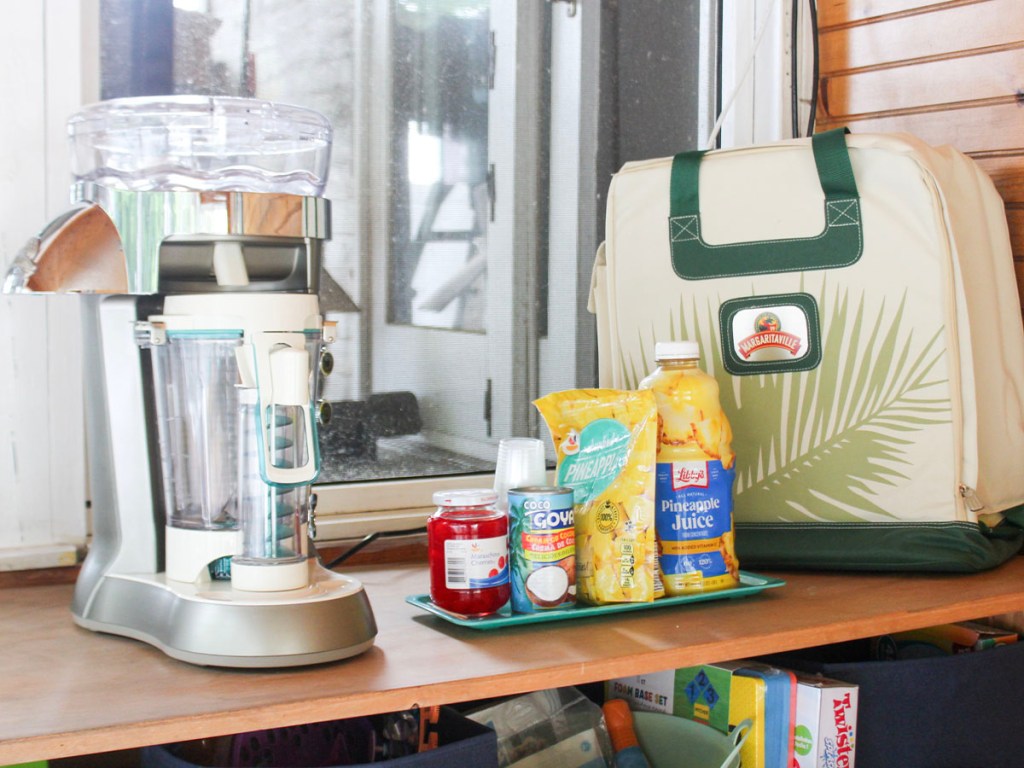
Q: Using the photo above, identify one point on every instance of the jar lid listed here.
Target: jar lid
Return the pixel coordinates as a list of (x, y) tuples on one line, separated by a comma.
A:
[(676, 350), (466, 497)]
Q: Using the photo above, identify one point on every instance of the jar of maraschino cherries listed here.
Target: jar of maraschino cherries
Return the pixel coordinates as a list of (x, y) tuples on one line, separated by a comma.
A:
[(467, 540)]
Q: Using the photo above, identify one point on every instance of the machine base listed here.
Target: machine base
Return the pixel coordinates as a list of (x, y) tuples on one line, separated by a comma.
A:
[(213, 625)]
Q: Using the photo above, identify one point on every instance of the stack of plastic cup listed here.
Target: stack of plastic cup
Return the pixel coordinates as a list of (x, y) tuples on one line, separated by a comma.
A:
[(520, 464)]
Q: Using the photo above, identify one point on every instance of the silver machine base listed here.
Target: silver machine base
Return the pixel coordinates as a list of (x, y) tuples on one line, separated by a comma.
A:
[(214, 625)]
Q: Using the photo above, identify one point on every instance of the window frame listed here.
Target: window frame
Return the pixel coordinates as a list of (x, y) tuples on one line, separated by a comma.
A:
[(358, 509), (346, 510)]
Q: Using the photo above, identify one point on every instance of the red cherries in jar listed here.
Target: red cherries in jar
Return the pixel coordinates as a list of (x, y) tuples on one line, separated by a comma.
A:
[(467, 541)]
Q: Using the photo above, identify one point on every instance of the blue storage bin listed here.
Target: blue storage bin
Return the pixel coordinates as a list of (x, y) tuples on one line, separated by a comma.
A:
[(461, 741), (940, 712)]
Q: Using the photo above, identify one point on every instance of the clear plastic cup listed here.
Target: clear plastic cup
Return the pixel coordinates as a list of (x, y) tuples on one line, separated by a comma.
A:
[(194, 379), (520, 463)]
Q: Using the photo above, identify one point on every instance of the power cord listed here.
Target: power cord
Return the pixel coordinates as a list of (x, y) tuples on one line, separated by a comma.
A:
[(794, 78), (794, 73), (812, 7), (366, 541)]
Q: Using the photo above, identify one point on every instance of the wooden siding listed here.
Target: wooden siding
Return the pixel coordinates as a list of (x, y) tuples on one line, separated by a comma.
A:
[(950, 72)]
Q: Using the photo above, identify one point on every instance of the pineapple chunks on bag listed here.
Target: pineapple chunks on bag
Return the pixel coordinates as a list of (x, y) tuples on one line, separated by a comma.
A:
[(606, 443)]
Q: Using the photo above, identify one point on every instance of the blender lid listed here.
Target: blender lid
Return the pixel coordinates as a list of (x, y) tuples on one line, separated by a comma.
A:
[(201, 143)]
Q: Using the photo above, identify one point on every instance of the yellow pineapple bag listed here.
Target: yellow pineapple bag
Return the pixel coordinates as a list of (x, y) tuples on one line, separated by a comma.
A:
[(606, 443)]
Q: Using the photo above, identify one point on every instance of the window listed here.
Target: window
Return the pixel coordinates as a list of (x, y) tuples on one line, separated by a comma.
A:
[(440, 268), (473, 143)]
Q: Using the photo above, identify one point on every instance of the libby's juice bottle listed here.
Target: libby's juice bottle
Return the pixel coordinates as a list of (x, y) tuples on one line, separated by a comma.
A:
[(695, 475)]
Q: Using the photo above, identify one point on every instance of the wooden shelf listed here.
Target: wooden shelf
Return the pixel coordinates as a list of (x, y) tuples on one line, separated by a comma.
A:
[(67, 691)]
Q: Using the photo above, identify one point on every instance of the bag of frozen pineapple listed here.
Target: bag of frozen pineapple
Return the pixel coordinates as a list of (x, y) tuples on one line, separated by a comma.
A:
[(606, 443)]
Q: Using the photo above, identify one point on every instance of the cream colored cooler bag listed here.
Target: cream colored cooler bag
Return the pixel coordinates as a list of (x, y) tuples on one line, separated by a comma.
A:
[(855, 298)]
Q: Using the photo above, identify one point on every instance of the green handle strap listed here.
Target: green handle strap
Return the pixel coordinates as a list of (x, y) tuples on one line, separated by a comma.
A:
[(840, 243)]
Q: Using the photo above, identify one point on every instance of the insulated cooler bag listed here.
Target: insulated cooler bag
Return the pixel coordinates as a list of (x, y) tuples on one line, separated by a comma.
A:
[(855, 298)]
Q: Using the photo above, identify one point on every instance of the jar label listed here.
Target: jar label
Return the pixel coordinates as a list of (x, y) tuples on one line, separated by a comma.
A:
[(475, 563)]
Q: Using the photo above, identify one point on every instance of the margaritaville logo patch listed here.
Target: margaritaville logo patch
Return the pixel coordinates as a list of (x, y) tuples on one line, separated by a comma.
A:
[(768, 333)]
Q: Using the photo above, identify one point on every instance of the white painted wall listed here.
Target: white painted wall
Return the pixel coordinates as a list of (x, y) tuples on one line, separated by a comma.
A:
[(48, 68)]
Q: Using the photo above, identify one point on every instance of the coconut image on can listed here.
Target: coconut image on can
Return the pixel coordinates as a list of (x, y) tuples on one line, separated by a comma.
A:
[(542, 548)]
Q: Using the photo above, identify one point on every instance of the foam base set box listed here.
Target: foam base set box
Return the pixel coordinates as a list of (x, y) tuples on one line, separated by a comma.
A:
[(825, 731), (719, 696), (460, 741), (855, 298)]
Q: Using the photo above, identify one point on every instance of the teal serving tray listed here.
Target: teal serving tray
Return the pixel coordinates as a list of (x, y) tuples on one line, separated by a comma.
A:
[(750, 584)]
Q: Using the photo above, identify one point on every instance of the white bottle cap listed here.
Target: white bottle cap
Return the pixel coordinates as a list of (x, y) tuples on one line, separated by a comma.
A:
[(676, 350)]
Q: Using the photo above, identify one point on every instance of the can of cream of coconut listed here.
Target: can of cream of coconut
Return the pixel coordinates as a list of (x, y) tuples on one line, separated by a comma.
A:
[(542, 548)]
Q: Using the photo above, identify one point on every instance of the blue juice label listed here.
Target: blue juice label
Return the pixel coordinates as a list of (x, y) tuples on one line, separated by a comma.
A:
[(693, 518)]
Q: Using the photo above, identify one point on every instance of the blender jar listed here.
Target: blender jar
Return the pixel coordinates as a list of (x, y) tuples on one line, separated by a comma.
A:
[(195, 379), (235, 393), (196, 397)]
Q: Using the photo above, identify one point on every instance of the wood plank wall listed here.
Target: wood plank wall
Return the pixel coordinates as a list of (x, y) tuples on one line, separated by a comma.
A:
[(951, 72)]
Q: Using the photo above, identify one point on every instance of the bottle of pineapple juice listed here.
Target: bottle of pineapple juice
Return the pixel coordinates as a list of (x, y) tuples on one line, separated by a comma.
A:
[(695, 475)]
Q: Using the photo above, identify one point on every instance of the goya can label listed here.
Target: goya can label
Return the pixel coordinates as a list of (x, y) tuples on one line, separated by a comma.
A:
[(542, 548)]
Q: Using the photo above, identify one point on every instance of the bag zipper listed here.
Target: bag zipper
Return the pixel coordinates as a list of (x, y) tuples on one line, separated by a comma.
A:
[(970, 497)]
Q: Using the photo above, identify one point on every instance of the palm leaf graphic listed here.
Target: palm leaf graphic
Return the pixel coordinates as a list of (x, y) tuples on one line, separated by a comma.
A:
[(841, 430)]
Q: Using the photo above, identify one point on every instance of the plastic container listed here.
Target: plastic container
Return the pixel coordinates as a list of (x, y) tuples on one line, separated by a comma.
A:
[(553, 727), (695, 475), (195, 379), (520, 463), (619, 720), (201, 143), (467, 543)]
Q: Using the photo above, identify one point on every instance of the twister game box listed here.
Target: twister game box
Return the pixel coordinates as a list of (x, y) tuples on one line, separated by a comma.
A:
[(825, 731)]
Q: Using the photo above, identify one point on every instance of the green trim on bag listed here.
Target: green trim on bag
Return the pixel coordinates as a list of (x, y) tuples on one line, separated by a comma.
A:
[(938, 547), (840, 243)]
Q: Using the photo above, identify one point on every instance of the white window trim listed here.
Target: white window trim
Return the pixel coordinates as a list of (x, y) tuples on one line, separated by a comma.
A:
[(359, 509), (759, 110), (49, 67)]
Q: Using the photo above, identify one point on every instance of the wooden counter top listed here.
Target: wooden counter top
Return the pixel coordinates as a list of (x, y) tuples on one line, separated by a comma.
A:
[(67, 691)]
